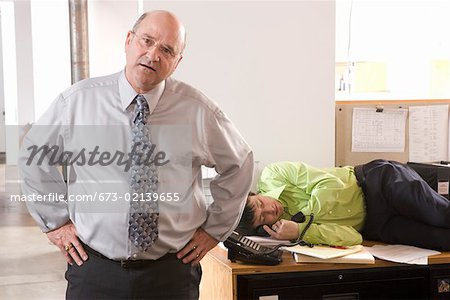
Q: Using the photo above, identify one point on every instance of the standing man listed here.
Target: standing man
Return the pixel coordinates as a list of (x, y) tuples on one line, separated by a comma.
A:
[(134, 223)]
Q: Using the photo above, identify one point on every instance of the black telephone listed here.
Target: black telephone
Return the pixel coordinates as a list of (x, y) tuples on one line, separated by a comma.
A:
[(243, 249)]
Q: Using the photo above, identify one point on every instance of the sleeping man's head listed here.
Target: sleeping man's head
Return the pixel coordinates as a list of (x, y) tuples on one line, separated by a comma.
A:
[(259, 210)]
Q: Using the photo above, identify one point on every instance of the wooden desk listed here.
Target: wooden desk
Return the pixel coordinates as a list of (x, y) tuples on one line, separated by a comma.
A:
[(225, 280)]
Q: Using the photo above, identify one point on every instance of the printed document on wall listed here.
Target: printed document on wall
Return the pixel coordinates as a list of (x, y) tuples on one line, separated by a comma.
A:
[(374, 131), (428, 133)]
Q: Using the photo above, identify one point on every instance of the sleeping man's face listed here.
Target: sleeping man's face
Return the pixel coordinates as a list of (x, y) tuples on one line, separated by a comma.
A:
[(267, 210)]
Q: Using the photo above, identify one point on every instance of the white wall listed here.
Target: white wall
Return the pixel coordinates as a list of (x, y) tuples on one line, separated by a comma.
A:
[(37, 57), (36, 62), (9, 62), (2, 93), (270, 66), (17, 66), (409, 41), (108, 24), (51, 51), (24, 62)]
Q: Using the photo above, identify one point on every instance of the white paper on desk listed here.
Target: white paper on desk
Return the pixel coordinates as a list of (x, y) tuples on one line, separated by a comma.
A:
[(402, 254), (324, 252), (374, 131), (428, 133)]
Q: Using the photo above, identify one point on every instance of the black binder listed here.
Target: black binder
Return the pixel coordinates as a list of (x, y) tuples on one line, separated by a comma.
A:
[(437, 175)]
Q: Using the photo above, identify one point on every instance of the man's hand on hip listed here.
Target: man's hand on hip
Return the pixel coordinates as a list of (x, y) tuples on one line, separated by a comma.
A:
[(66, 239), (198, 246)]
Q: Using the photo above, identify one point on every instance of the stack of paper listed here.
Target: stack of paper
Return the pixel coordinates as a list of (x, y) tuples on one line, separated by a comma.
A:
[(361, 257), (325, 254), (402, 254)]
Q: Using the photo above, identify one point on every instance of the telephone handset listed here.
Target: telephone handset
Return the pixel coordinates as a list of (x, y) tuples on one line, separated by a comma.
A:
[(260, 231), (298, 218), (243, 249)]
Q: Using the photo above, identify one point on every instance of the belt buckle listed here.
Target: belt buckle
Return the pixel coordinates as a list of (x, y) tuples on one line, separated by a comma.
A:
[(124, 264)]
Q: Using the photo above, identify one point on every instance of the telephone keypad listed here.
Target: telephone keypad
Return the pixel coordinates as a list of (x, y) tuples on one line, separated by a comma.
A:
[(251, 244), (243, 249)]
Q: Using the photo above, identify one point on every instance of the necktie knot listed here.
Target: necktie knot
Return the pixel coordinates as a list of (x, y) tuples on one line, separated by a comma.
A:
[(141, 103), (141, 109)]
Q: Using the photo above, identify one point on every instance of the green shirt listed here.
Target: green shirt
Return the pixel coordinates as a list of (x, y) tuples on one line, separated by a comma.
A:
[(333, 195)]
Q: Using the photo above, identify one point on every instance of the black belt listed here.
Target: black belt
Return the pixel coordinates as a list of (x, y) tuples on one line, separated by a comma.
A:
[(129, 263)]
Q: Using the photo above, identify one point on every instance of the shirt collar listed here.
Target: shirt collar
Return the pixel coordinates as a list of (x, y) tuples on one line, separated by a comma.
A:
[(127, 93)]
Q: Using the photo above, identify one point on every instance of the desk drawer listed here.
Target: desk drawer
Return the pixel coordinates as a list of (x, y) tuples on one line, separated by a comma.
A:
[(440, 282), (379, 283)]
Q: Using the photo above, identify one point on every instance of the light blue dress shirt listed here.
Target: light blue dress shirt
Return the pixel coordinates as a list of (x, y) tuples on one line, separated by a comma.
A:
[(186, 127)]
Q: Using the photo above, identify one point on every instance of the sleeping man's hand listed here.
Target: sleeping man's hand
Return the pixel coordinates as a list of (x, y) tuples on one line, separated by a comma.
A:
[(283, 230)]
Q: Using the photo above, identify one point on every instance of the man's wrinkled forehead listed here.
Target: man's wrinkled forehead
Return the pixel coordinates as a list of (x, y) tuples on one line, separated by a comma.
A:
[(159, 24)]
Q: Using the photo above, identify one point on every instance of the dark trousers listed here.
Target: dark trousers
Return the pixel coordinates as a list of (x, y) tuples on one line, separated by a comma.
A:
[(402, 208), (101, 278)]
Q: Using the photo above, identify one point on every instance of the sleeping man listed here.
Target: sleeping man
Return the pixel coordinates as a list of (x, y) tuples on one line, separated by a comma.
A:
[(381, 200)]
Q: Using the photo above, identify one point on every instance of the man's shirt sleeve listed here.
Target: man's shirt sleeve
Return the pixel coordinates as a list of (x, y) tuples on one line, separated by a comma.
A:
[(40, 176), (331, 234), (232, 159)]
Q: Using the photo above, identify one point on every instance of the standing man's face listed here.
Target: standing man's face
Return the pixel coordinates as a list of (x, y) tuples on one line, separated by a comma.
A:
[(153, 51)]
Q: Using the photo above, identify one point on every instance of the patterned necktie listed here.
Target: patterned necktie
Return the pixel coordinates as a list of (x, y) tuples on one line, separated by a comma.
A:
[(143, 221)]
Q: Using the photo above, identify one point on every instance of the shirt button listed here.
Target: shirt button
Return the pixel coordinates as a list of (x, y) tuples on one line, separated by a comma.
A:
[(349, 210), (330, 212), (134, 255)]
